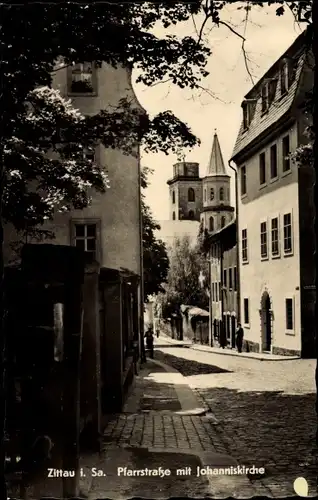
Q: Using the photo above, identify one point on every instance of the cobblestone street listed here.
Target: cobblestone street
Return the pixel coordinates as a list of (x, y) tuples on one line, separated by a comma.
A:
[(264, 411)]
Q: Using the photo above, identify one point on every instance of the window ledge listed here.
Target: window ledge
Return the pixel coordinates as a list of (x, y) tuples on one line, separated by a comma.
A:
[(289, 254), (290, 332), (82, 94), (264, 113), (247, 325), (264, 258), (243, 196), (262, 186), (276, 256), (244, 262), (286, 172), (274, 179)]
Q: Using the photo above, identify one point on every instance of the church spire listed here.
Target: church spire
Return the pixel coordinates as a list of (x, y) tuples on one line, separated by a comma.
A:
[(216, 164)]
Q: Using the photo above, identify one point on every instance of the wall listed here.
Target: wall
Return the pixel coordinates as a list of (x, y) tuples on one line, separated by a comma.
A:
[(117, 209), (182, 203), (279, 276)]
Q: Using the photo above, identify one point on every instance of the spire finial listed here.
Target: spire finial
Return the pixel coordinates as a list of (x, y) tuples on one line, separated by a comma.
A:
[(215, 131)]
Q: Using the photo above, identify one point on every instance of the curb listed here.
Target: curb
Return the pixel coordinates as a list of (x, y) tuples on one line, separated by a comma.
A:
[(225, 352)]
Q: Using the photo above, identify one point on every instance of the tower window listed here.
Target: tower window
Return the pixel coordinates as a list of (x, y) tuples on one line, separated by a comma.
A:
[(191, 195), (211, 194), (173, 216), (205, 195), (211, 224), (173, 197), (221, 194), (222, 221), (191, 214)]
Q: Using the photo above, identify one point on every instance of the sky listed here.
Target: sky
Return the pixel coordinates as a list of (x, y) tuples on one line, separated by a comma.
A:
[(267, 38)]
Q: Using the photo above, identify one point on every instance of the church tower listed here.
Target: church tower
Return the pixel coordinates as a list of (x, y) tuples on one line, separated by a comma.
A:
[(217, 211), (185, 189)]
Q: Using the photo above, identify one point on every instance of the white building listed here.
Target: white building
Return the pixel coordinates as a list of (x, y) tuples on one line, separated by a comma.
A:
[(276, 210)]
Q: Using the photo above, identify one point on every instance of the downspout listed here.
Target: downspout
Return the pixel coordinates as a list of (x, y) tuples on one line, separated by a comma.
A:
[(238, 273), (141, 287)]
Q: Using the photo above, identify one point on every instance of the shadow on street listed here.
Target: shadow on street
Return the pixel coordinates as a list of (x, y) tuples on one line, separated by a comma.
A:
[(186, 367)]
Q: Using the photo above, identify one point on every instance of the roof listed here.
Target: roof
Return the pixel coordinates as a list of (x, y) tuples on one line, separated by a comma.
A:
[(280, 106), (216, 164), (226, 236)]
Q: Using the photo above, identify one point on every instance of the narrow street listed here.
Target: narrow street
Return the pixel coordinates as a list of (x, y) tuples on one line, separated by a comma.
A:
[(190, 408)]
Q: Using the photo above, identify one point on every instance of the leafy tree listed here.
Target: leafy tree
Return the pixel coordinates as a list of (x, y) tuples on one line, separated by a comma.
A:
[(186, 263), (155, 258)]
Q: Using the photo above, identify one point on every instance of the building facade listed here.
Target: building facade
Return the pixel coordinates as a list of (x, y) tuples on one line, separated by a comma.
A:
[(276, 211), (109, 231), (206, 201)]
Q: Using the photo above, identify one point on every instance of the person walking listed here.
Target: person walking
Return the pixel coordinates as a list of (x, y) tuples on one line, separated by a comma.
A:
[(149, 340), (239, 337)]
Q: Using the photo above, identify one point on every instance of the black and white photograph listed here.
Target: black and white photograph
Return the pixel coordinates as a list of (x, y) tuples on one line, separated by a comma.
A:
[(158, 250)]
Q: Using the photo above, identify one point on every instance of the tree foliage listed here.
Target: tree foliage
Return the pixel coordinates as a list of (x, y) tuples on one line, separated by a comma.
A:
[(34, 37), (155, 258), (186, 263)]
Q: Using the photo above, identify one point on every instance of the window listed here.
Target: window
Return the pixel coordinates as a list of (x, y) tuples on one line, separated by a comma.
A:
[(191, 214), (264, 98), (289, 314), (191, 195), (235, 279), (173, 216), (262, 169), (211, 194), (287, 233), (263, 240), (225, 277), (286, 152), (243, 180), (89, 154), (85, 236), (173, 197), (284, 79), (246, 115), (222, 221), (244, 245), (82, 78), (221, 194), (230, 278), (273, 161), (205, 195), (219, 292), (213, 292), (275, 237), (272, 85), (246, 312), (211, 224)]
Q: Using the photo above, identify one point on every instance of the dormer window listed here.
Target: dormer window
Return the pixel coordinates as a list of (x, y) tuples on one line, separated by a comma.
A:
[(272, 85), (284, 79), (248, 107), (265, 102)]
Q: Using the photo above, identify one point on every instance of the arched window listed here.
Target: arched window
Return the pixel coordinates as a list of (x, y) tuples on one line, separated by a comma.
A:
[(211, 194), (222, 221), (173, 216), (173, 197), (191, 214), (221, 194), (211, 224), (191, 195), (205, 195)]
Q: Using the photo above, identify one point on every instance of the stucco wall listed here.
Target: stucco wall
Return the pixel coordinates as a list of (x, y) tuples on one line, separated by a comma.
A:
[(118, 209), (279, 276)]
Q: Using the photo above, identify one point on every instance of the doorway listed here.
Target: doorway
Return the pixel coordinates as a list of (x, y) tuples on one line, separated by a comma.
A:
[(266, 322), (233, 329)]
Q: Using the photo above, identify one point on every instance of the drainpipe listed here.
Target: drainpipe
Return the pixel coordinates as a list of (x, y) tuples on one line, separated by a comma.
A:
[(238, 292), (141, 287)]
